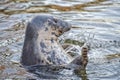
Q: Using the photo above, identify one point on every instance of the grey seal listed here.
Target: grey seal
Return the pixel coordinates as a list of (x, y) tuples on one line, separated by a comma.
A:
[(41, 45)]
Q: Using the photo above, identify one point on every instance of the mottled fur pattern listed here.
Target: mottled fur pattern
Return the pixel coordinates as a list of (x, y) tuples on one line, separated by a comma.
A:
[(40, 44)]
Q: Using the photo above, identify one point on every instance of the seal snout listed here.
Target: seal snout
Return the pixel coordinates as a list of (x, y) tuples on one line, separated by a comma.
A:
[(65, 26)]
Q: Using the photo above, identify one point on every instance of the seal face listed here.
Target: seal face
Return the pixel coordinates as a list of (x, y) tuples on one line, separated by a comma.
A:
[(41, 45)]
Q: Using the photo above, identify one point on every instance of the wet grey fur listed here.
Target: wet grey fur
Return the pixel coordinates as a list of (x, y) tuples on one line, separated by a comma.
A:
[(34, 50)]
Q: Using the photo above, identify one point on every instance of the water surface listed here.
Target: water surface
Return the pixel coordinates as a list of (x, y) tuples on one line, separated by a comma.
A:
[(95, 22)]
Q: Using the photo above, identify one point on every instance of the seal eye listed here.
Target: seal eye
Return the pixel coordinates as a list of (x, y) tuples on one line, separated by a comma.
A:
[(55, 20)]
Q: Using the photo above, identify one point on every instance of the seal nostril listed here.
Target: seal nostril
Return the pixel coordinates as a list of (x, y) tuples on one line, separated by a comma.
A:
[(60, 31), (42, 61), (68, 29)]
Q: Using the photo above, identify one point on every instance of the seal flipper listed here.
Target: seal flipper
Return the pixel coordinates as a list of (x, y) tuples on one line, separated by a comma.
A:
[(80, 61)]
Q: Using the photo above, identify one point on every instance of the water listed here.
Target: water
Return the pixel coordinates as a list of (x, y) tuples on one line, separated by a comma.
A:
[(95, 22)]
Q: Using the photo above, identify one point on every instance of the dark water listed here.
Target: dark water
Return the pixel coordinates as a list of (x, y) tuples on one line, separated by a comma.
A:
[(95, 22)]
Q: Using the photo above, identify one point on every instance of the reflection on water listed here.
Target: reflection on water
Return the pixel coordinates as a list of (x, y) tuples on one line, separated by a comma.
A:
[(95, 22)]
